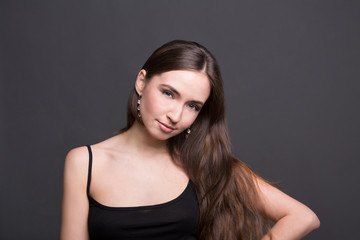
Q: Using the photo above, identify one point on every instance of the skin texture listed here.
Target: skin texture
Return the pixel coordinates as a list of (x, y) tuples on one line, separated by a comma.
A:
[(135, 169)]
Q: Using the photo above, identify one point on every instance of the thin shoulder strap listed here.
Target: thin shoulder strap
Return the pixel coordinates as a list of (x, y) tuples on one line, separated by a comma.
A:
[(89, 170)]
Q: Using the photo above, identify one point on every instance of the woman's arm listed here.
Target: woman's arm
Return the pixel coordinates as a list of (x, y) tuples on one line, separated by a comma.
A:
[(293, 220), (75, 205)]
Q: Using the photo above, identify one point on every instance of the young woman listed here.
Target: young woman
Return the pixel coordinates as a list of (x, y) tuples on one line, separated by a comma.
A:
[(170, 174)]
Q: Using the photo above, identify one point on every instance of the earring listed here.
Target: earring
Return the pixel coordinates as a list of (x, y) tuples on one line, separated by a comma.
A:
[(188, 131), (138, 106)]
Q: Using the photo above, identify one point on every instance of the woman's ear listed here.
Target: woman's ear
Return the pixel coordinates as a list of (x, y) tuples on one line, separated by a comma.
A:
[(140, 82)]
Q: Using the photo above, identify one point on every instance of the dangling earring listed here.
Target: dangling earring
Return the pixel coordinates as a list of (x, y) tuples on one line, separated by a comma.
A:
[(188, 131), (138, 106)]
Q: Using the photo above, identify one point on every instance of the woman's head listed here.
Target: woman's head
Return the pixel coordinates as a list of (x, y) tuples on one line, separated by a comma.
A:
[(171, 101), (184, 55)]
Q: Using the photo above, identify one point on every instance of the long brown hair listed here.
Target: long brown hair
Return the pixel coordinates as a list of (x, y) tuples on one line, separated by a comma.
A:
[(225, 186)]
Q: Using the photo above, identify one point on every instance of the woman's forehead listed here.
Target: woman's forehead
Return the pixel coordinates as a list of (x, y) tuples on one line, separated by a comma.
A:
[(186, 82)]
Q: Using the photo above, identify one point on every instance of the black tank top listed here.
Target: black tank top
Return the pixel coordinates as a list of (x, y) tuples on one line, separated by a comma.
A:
[(176, 219)]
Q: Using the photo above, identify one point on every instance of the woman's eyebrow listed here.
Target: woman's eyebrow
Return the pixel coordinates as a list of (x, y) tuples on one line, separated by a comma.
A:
[(171, 88), (177, 93), (198, 102)]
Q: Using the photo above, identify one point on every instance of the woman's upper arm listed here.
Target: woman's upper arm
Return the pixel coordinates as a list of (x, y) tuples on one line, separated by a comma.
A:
[(75, 205), (278, 206)]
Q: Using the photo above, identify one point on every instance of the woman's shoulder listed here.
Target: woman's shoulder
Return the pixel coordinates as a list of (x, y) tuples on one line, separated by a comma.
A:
[(77, 160), (110, 146), (77, 152)]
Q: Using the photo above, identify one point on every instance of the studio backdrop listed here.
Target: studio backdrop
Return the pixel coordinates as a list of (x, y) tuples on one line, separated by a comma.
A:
[(291, 75)]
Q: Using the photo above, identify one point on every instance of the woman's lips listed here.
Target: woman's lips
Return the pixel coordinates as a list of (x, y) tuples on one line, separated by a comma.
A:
[(165, 127)]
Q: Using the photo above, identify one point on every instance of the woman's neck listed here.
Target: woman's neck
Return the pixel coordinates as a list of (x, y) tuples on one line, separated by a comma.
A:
[(139, 140)]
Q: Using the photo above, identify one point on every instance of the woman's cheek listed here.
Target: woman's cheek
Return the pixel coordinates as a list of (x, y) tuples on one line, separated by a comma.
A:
[(153, 104), (190, 118)]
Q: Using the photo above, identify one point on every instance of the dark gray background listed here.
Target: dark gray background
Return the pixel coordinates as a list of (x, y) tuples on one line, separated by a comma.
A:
[(291, 72)]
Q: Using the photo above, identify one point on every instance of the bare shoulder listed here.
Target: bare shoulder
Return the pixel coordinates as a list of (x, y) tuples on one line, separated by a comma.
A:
[(77, 156), (110, 147), (77, 159), (77, 162)]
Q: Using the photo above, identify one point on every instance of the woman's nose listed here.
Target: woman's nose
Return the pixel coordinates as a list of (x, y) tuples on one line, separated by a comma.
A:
[(175, 113)]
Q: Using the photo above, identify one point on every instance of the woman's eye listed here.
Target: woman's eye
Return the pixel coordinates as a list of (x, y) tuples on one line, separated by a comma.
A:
[(168, 93), (194, 107)]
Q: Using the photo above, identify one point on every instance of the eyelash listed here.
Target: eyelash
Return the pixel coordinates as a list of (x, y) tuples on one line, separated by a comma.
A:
[(168, 93), (191, 105)]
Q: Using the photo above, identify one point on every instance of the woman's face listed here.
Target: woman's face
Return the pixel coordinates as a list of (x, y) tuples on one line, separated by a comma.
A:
[(171, 101)]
